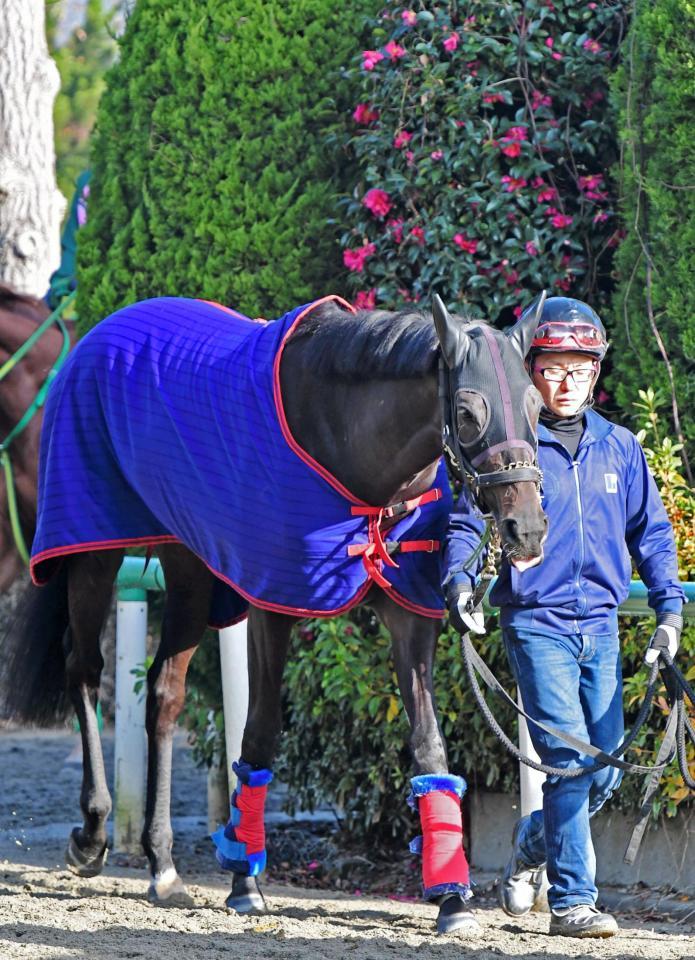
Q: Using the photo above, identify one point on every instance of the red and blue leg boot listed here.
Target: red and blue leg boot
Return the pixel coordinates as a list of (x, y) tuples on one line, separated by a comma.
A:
[(241, 844), (445, 874)]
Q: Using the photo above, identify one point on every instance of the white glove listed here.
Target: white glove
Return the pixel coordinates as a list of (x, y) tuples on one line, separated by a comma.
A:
[(666, 637), (463, 618)]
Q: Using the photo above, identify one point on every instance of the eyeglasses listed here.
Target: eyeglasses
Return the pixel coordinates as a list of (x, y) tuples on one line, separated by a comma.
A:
[(558, 375), (556, 334)]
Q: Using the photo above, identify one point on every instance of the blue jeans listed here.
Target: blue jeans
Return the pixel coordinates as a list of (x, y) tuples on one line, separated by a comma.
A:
[(573, 683)]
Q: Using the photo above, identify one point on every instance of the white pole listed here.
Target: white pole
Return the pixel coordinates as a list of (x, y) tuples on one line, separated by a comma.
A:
[(235, 691), (531, 781), (130, 744)]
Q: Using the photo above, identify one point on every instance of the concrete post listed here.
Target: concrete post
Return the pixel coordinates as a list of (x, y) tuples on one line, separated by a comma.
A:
[(130, 744)]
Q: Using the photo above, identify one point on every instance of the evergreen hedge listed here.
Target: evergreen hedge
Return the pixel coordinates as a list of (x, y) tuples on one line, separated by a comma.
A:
[(655, 93), (215, 157), (483, 134)]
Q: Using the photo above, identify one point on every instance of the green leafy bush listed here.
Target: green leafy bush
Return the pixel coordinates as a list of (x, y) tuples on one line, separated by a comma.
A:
[(483, 135), (215, 157), (654, 91)]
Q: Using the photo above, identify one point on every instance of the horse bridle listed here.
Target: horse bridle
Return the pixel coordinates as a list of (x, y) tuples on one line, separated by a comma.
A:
[(463, 468)]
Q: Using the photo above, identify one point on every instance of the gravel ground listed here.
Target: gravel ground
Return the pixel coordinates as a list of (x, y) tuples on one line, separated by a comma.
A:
[(46, 912)]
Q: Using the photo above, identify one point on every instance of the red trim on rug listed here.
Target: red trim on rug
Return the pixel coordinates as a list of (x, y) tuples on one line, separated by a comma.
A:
[(94, 545), (234, 313), (280, 409)]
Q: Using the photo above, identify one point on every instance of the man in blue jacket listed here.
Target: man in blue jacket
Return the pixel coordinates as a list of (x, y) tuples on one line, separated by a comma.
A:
[(559, 619)]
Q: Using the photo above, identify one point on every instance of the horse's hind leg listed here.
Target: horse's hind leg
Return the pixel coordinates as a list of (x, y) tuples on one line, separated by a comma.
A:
[(90, 585), (242, 849), (189, 587)]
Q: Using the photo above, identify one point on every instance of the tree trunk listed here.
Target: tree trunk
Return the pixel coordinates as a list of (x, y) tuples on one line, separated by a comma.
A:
[(31, 206)]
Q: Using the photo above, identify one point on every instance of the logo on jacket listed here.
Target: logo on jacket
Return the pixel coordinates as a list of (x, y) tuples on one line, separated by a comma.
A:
[(611, 482)]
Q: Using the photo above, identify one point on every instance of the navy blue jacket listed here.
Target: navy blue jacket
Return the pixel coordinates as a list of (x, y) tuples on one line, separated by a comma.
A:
[(603, 509)]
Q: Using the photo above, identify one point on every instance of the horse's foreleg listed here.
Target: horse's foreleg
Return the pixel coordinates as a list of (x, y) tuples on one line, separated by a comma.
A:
[(241, 844), (90, 585), (189, 586), (435, 792)]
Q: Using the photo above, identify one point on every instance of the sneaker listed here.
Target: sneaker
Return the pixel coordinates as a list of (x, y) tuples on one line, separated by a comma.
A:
[(521, 882), (584, 920)]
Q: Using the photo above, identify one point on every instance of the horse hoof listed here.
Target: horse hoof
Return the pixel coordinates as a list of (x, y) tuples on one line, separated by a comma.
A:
[(455, 917), (167, 890), (80, 862), (246, 896)]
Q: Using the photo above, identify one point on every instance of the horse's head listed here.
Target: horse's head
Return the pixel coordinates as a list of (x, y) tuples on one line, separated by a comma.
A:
[(490, 411)]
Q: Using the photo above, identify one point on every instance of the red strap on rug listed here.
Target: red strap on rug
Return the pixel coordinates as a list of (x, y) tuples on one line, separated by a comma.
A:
[(396, 509), (250, 802), (443, 859)]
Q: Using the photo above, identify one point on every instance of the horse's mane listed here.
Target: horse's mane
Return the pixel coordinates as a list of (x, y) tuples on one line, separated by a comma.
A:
[(10, 297), (352, 348)]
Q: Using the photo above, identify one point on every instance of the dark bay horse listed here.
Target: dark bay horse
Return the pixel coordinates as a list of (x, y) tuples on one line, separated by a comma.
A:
[(362, 398), (20, 316)]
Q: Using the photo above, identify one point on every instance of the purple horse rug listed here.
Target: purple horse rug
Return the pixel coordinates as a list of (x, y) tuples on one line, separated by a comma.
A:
[(166, 424)]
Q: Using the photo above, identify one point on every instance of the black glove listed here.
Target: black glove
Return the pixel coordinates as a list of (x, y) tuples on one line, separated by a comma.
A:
[(666, 637)]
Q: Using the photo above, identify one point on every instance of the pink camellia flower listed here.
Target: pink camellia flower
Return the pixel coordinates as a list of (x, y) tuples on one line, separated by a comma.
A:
[(467, 244), (418, 234), (531, 249), (410, 157), (537, 182), (564, 284), (550, 43), (377, 202), (354, 259), (396, 227), (401, 139), (561, 220), (511, 277), (511, 184), (493, 98), (365, 300), (516, 133), (592, 46), (370, 58), (601, 216), (409, 18), (512, 149), (593, 182), (551, 211), (437, 154), (365, 114), (539, 100), (602, 397), (546, 194), (451, 42), (395, 50), (517, 312), (472, 67), (469, 23)]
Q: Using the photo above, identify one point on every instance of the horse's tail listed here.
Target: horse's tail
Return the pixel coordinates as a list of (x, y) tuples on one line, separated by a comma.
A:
[(32, 656)]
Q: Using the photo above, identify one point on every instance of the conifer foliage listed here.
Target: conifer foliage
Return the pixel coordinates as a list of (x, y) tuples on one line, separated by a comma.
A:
[(215, 163), (652, 330)]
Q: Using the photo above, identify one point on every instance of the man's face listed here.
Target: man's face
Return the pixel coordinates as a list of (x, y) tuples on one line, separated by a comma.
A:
[(564, 397)]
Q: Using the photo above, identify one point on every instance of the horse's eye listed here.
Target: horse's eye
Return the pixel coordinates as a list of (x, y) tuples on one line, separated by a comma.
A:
[(472, 416)]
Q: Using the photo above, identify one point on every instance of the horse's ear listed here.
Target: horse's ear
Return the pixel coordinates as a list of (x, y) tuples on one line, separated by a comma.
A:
[(523, 331), (452, 337)]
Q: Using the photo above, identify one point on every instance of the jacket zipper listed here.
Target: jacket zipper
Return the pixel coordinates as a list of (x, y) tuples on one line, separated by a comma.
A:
[(577, 581)]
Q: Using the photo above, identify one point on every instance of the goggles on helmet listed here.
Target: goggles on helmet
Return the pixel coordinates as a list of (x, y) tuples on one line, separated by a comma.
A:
[(556, 335)]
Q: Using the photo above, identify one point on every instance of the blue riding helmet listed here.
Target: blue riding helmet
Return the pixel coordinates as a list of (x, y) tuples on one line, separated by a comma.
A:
[(568, 324)]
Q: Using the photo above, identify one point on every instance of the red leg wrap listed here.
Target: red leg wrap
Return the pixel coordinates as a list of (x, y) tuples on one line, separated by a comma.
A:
[(443, 859), (250, 802)]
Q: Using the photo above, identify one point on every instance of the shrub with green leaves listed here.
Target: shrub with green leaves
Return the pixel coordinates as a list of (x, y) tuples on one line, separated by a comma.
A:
[(483, 135), (215, 156), (654, 91)]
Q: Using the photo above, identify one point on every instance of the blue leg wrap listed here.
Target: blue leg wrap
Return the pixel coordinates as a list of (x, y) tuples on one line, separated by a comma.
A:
[(231, 853)]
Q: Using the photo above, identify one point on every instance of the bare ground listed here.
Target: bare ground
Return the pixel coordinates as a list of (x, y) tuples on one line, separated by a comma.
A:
[(46, 912)]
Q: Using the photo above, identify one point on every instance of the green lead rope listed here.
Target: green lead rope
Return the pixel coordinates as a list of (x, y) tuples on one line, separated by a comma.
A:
[(54, 318)]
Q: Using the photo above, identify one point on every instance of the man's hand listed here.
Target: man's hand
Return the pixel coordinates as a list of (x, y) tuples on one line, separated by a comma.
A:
[(463, 618), (666, 637)]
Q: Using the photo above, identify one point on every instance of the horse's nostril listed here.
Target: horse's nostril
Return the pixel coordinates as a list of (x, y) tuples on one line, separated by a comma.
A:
[(510, 530)]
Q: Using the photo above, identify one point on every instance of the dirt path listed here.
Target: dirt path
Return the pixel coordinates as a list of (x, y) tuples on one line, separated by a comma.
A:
[(46, 912)]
